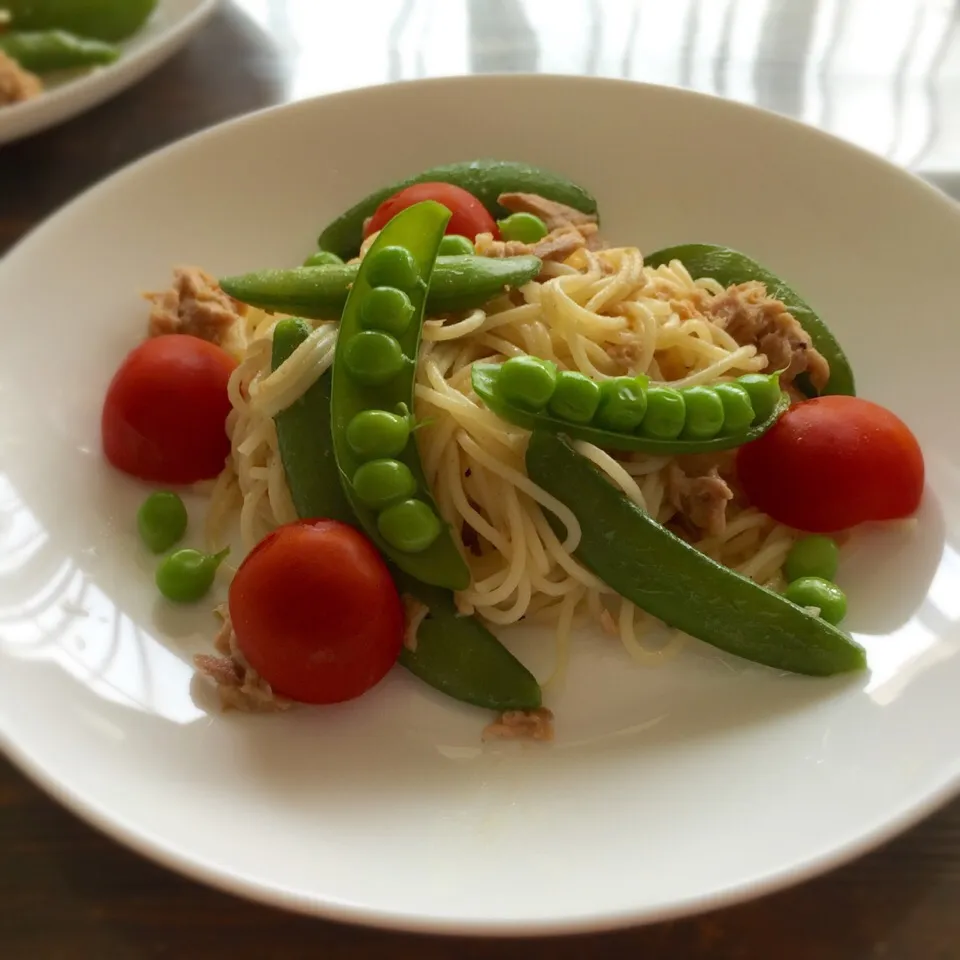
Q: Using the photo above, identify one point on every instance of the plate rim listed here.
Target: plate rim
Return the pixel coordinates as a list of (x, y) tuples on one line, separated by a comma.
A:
[(169, 855)]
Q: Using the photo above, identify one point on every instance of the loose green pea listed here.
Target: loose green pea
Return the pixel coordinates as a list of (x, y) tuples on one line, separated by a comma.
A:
[(623, 404), (410, 526), (528, 382), (453, 245), (373, 434), (388, 309), (820, 593), (322, 258), (814, 556), (393, 267), (187, 575), (373, 357), (378, 483), (764, 392), (737, 409), (525, 227), (575, 398), (666, 414), (162, 520), (704, 414)]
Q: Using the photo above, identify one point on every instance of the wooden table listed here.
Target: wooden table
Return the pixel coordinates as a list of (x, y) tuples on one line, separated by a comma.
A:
[(66, 892)]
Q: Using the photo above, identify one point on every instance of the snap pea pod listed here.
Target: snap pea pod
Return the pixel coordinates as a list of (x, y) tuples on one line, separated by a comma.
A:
[(369, 384), (485, 179), (110, 20), (48, 50), (320, 293), (730, 266), (455, 654), (484, 378), (660, 573)]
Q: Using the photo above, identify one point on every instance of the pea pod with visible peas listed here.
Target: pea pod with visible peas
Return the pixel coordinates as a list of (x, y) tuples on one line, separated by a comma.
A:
[(454, 654), (48, 50), (668, 578), (623, 413), (485, 179), (372, 393), (110, 20), (459, 282), (730, 267)]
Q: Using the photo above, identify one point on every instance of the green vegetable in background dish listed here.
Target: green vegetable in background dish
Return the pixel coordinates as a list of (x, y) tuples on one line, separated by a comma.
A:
[(485, 179), (187, 575), (660, 573), (523, 227), (362, 401), (813, 556), (323, 258), (162, 520), (662, 414), (49, 50), (730, 267), (454, 245), (320, 293), (110, 20), (454, 654)]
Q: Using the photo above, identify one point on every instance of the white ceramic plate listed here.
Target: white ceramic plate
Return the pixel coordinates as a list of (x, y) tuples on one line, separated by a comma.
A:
[(667, 791), (171, 25)]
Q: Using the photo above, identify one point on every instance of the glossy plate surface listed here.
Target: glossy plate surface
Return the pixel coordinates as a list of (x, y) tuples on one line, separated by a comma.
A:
[(668, 790)]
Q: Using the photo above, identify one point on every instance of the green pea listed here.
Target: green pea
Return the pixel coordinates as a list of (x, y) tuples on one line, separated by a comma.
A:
[(453, 245), (393, 267), (525, 227), (528, 382), (410, 526), (820, 593), (814, 556), (704, 414), (764, 392), (575, 398), (187, 575), (373, 357), (666, 414), (377, 433), (623, 404), (737, 408), (322, 258), (378, 483), (386, 308), (162, 520)]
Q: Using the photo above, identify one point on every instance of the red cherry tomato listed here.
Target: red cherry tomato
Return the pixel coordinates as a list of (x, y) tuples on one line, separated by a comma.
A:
[(831, 463), (469, 215), (164, 413), (316, 613)]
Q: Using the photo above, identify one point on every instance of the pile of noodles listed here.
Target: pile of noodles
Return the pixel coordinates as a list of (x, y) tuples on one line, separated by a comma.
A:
[(602, 313)]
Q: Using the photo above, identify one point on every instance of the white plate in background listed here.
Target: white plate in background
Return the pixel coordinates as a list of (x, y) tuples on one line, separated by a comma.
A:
[(168, 29), (667, 791)]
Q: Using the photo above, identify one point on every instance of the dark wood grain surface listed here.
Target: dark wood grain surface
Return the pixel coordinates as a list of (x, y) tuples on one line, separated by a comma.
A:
[(67, 892)]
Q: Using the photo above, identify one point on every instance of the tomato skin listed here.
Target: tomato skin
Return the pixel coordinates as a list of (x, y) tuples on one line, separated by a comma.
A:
[(316, 612), (468, 215), (164, 413), (831, 463)]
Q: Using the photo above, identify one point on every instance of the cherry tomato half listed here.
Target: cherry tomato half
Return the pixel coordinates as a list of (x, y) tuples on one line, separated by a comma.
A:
[(831, 463), (165, 410), (468, 215), (316, 612)]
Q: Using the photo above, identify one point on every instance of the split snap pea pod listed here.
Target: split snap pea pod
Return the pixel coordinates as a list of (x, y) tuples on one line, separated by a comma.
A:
[(372, 393), (110, 20), (320, 292), (43, 51), (455, 654), (660, 573), (485, 179), (662, 419), (729, 267)]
